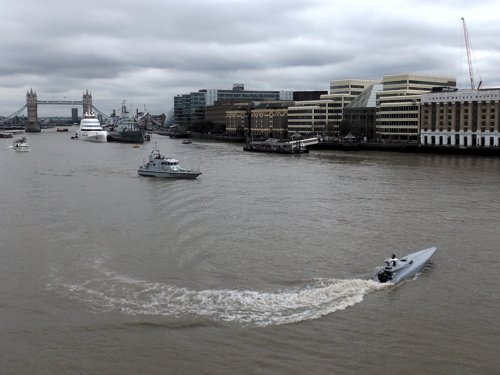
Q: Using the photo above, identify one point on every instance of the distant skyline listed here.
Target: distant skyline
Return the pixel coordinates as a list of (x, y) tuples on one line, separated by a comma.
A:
[(147, 52)]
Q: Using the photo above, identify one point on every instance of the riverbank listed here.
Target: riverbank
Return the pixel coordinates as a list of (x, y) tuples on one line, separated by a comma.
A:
[(408, 148)]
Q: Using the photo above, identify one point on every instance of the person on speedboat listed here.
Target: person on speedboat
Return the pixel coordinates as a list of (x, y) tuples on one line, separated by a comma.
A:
[(391, 262)]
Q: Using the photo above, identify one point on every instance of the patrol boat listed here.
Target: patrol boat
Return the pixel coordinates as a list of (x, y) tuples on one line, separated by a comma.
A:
[(165, 166)]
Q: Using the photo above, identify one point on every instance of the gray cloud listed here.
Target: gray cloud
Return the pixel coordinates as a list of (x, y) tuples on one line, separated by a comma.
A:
[(147, 52)]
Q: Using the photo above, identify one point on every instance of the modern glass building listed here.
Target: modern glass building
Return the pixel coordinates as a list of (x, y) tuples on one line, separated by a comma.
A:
[(323, 117), (361, 112), (189, 108)]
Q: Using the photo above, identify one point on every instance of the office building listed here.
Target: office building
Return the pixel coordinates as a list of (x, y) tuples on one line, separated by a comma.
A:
[(398, 104), (324, 116)]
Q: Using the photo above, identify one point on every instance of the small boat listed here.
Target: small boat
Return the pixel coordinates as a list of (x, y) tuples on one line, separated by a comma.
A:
[(90, 129), (186, 142), (136, 146), (62, 129), (166, 167), (20, 144), (6, 135), (397, 270)]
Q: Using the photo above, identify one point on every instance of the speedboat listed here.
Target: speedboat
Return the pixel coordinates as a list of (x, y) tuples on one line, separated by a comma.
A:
[(20, 144), (164, 166), (91, 130), (398, 270)]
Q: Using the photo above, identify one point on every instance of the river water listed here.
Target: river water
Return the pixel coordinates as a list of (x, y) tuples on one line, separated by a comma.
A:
[(260, 266)]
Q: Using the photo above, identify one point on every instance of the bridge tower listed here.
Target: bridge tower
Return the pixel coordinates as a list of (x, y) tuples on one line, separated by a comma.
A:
[(32, 106), (87, 102)]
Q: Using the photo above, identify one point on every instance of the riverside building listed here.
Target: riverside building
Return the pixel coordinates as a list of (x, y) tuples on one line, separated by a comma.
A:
[(267, 119), (320, 117), (189, 108), (464, 118), (397, 118), (270, 119), (362, 111)]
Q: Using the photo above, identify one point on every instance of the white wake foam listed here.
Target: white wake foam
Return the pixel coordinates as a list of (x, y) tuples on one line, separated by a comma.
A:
[(305, 301)]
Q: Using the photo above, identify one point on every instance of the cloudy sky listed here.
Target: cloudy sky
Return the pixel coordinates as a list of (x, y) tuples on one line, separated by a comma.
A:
[(148, 51)]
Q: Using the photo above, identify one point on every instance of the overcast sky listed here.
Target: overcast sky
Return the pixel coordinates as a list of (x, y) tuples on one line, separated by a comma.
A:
[(148, 51)]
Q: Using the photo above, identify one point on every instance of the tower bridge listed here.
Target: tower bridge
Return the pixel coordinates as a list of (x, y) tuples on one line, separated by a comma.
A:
[(32, 103)]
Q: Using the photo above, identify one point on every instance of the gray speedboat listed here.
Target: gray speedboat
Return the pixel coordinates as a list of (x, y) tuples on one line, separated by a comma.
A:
[(166, 167), (397, 270)]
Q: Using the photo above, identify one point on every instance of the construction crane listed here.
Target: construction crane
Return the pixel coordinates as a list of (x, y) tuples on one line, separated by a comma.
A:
[(467, 47)]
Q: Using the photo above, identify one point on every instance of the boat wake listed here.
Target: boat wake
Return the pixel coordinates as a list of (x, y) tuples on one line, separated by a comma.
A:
[(307, 300)]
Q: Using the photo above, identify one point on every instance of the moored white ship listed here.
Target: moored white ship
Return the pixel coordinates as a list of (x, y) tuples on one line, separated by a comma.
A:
[(91, 129)]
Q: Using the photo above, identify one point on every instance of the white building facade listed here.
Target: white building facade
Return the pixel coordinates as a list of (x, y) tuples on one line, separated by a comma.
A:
[(464, 118)]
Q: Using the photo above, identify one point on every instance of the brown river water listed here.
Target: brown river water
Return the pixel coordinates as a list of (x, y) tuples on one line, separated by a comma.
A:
[(259, 266)]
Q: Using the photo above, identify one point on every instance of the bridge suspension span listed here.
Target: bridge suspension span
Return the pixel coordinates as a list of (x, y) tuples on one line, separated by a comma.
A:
[(16, 113)]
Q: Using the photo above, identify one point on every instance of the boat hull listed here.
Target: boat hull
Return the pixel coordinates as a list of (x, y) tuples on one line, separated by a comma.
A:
[(406, 267), (93, 136), (21, 148), (135, 136), (162, 174)]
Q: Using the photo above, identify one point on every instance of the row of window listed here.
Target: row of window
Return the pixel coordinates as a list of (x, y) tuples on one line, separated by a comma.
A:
[(398, 115), (450, 110), (396, 109), (427, 83), (397, 130), (398, 124), (347, 86), (465, 117), (443, 127), (458, 104), (467, 97), (306, 123)]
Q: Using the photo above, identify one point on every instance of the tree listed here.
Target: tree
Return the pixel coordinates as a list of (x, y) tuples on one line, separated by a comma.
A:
[(345, 127)]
